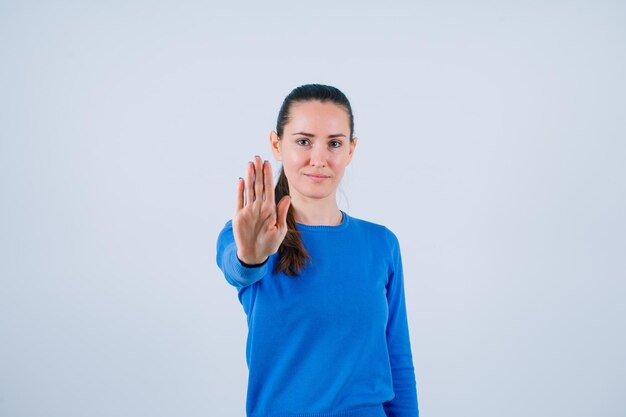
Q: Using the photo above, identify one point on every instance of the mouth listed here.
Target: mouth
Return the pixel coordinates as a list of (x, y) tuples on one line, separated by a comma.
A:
[(317, 177)]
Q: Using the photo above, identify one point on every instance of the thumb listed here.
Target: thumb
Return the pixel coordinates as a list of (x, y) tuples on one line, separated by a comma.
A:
[(281, 211)]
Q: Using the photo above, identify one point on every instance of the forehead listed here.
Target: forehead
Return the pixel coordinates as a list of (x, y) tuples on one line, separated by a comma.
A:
[(317, 116)]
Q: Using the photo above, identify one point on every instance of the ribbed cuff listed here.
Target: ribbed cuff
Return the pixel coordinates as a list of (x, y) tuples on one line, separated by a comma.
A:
[(252, 265), (238, 273)]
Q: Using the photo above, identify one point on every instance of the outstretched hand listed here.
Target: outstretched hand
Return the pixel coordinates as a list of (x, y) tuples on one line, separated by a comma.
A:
[(259, 224)]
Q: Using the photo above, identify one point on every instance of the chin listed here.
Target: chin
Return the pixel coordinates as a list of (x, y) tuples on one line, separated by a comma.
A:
[(320, 194)]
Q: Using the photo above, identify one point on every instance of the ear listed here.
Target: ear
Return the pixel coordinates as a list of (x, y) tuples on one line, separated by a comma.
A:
[(352, 146), (275, 145)]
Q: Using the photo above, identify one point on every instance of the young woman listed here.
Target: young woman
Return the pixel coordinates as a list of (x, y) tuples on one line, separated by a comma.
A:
[(323, 291)]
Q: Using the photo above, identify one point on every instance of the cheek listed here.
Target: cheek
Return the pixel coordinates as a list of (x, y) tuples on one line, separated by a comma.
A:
[(291, 165), (294, 160), (339, 160)]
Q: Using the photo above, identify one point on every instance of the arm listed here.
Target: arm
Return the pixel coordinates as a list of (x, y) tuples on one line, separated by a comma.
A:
[(404, 404), (256, 230)]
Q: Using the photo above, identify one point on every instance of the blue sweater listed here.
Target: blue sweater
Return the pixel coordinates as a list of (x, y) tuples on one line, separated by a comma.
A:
[(333, 342)]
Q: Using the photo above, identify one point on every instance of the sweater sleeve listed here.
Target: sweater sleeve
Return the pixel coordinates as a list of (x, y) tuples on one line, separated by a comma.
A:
[(404, 404), (236, 272)]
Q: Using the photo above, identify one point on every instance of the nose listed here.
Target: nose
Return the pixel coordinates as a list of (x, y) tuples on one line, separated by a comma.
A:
[(318, 155)]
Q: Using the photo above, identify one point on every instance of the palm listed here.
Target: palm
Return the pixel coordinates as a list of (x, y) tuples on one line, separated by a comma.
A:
[(259, 225)]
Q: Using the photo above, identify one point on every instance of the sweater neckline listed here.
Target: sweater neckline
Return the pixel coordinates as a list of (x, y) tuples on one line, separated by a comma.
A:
[(326, 228)]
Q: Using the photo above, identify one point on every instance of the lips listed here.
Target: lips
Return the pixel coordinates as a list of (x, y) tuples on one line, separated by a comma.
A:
[(317, 177)]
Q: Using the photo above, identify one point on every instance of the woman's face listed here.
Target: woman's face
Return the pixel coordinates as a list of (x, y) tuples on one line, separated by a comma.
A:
[(315, 148)]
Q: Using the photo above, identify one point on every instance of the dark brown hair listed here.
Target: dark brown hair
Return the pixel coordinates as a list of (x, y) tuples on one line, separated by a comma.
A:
[(292, 255)]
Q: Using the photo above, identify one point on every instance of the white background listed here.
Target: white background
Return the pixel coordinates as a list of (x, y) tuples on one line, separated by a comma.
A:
[(491, 141)]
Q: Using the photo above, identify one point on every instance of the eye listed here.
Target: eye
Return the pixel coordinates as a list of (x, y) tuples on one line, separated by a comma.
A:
[(335, 144), (301, 140)]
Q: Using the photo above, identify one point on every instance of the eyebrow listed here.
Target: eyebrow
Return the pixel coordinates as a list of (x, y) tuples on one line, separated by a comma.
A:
[(311, 135)]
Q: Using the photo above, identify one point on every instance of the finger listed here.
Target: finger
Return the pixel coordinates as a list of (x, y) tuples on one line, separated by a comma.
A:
[(281, 212), (240, 202), (258, 180), (249, 184), (269, 182)]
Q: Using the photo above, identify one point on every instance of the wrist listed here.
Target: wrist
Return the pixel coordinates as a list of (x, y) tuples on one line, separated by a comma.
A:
[(251, 261)]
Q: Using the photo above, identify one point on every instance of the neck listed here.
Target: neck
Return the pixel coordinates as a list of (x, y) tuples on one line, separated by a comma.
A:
[(323, 212)]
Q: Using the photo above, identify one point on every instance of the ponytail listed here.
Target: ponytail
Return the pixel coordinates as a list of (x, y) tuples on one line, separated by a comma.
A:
[(292, 255)]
